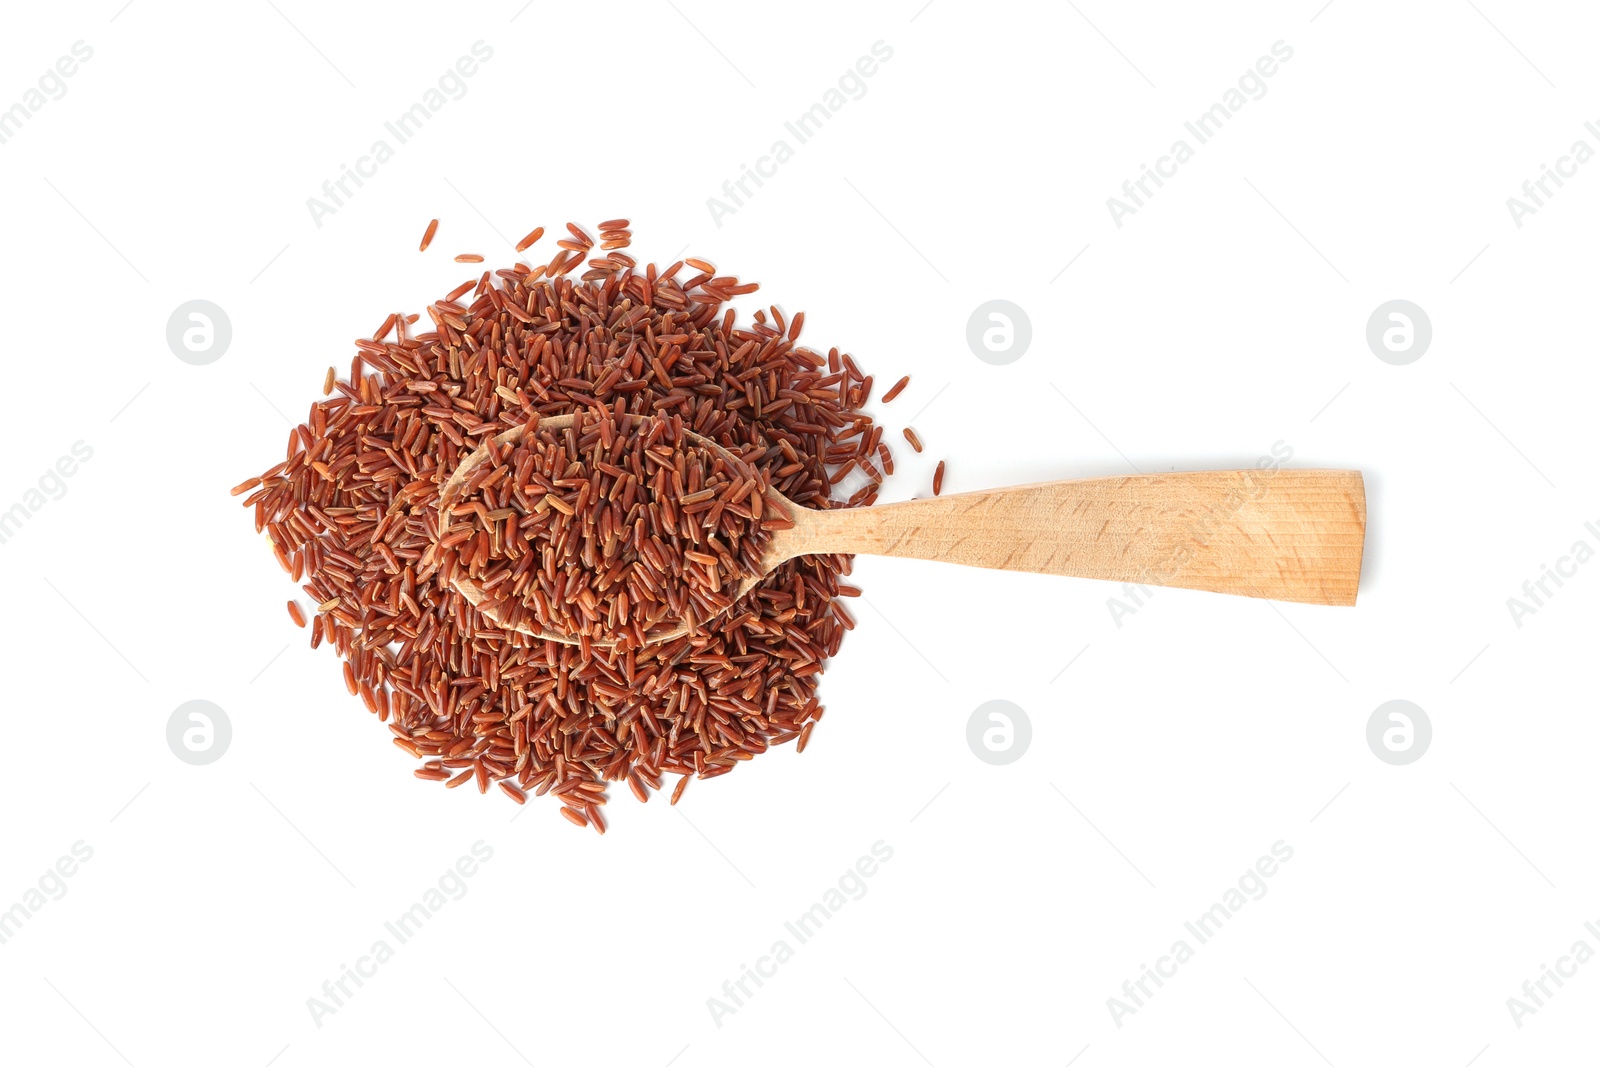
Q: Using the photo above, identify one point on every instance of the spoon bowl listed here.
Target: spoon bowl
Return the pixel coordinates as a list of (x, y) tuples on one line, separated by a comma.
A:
[(474, 592)]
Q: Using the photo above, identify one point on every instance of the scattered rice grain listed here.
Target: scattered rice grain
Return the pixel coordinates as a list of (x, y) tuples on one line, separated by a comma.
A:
[(533, 235)]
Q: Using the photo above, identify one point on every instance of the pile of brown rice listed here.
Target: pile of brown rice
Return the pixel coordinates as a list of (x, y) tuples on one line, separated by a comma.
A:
[(352, 512)]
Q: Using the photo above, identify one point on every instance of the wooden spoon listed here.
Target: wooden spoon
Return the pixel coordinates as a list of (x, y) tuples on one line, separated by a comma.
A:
[(1293, 535)]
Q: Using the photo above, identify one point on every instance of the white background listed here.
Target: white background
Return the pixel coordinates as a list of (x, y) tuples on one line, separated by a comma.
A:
[(1226, 315)]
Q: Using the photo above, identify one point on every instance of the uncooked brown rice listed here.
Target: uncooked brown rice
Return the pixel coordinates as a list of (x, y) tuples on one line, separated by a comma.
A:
[(352, 510), (633, 529), (527, 242)]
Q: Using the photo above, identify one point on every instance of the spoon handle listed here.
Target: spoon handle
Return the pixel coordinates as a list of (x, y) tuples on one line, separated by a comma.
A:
[(1279, 534)]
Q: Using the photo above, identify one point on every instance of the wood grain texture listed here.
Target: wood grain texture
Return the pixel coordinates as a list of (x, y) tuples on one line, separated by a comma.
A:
[(1293, 535)]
